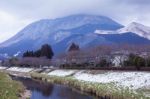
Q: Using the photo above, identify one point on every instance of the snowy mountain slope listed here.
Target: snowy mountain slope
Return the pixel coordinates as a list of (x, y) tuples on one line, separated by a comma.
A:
[(139, 29), (44, 28), (55, 31), (105, 32), (125, 38), (85, 30), (93, 39)]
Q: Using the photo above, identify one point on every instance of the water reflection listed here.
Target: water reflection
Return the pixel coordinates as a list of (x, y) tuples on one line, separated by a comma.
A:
[(41, 90)]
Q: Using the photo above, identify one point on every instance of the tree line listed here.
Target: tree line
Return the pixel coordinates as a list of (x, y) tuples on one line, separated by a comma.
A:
[(98, 56), (137, 61), (134, 56), (44, 51)]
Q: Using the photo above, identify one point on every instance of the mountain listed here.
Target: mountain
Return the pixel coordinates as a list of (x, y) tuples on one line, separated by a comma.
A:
[(76, 23), (125, 38), (61, 32), (56, 30), (139, 29)]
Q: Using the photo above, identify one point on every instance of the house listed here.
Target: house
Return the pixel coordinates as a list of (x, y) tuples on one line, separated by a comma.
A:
[(118, 60), (119, 57)]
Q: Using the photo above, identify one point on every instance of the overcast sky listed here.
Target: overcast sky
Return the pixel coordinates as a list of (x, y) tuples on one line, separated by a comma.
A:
[(16, 14)]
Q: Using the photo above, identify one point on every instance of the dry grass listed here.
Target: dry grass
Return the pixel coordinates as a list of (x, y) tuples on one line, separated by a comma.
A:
[(95, 71), (100, 90)]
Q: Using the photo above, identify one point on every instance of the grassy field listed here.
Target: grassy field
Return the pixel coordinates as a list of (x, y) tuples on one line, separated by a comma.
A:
[(9, 89)]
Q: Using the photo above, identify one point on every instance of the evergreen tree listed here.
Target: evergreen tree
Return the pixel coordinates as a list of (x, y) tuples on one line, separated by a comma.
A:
[(37, 53), (46, 50), (26, 54), (74, 47), (31, 54)]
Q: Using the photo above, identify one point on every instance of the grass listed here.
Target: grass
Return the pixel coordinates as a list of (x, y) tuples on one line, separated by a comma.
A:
[(145, 91), (109, 90), (9, 89)]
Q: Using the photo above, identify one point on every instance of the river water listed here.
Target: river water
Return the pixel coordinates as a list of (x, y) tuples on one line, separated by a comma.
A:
[(41, 90)]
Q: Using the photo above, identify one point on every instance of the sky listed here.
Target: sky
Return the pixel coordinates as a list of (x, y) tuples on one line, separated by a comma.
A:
[(16, 14)]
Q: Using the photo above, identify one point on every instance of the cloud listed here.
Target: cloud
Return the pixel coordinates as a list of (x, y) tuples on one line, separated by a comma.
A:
[(39, 9), (15, 14), (136, 2), (9, 25)]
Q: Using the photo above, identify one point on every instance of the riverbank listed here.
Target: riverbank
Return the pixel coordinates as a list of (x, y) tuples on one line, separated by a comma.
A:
[(106, 90), (26, 94), (10, 89), (114, 84)]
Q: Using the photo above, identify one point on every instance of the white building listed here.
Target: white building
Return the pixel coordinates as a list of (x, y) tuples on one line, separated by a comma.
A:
[(118, 60)]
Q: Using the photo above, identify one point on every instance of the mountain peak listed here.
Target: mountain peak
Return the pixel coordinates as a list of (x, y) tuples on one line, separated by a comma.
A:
[(137, 28), (135, 24), (85, 15)]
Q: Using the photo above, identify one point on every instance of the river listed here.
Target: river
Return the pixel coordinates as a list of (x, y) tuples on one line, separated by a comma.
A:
[(42, 90)]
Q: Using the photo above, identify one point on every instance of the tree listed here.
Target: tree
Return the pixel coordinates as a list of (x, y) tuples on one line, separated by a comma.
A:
[(139, 62), (135, 60), (37, 53), (13, 61), (31, 53), (74, 47), (46, 50), (104, 63), (28, 54), (148, 62)]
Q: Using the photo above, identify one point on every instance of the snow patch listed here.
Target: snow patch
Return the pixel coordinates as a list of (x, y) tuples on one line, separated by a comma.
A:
[(18, 69), (133, 80), (17, 54), (105, 32), (62, 73), (2, 68), (60, 36)]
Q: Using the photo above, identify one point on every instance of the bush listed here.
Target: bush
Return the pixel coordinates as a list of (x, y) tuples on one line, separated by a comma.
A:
[(103, 63), (135, 60)]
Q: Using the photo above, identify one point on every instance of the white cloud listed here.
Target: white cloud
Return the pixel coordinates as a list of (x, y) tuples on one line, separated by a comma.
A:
[(15, 14), (10, 25)]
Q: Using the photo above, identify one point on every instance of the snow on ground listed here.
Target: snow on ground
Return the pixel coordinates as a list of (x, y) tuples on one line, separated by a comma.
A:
[(133, 80), (47, 71), (1, 68), (37, 70), (62, 73), (18, 69)]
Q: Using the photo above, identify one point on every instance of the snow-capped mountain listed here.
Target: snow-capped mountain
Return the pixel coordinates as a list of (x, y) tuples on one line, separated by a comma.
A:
[(46, 28), (85, 30), (57, 30), (139, 29)]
